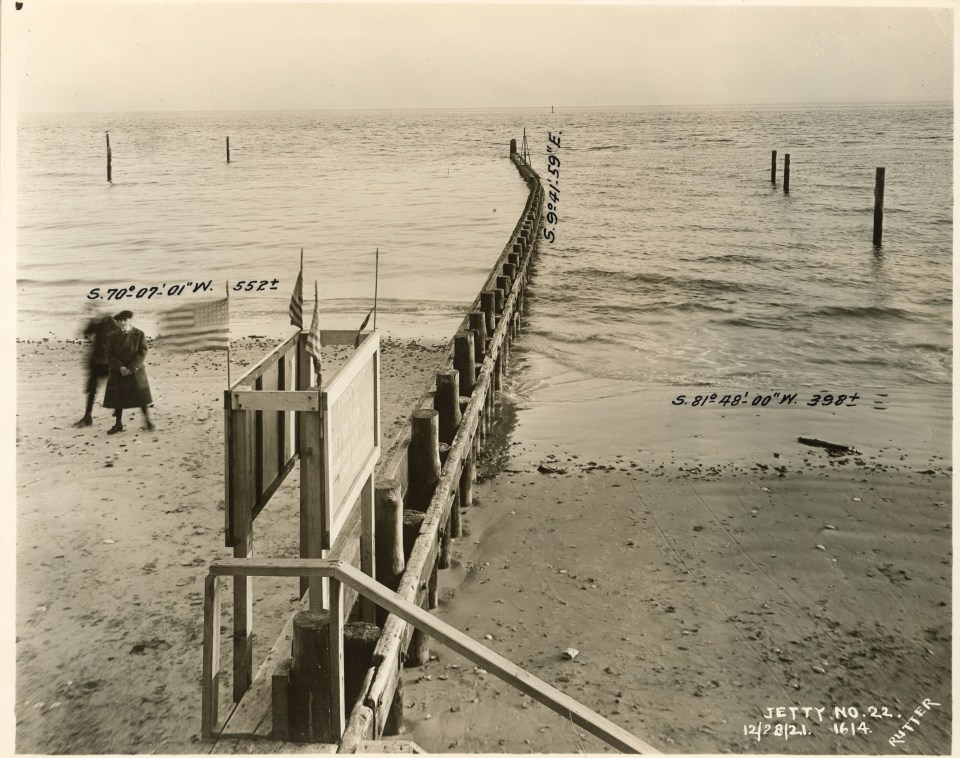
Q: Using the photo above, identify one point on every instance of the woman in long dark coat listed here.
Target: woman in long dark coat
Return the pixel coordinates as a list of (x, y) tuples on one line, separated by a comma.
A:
[(127, 385)]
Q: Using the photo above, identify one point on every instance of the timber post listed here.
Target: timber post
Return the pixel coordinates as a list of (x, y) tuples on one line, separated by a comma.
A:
[(423, 458), (878, 206), (465, 362), (773, 168), (786, 174)]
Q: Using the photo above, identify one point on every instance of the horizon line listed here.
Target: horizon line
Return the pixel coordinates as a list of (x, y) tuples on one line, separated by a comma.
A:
[(784, 103)]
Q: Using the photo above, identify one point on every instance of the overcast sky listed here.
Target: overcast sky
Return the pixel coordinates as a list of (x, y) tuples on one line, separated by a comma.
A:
[(95, 56)]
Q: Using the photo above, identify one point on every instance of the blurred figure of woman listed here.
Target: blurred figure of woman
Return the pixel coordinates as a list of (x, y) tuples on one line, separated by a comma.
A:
[(100, 327)]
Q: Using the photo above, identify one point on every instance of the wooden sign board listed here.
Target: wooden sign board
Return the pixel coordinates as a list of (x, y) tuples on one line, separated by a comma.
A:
[(351, 435)]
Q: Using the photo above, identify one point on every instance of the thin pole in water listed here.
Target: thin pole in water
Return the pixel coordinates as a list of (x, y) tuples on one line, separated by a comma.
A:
[(878, 206), (786, 174), (109, 160), (773, 168), (228, 149)]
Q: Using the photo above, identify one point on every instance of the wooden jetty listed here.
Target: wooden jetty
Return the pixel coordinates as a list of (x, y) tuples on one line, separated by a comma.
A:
[(375, 530)]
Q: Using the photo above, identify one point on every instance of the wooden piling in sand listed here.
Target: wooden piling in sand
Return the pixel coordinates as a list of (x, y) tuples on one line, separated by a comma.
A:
[(478, 325), (878, 206), (388, 509), (773, 167), (465, 361), (786, 174), (498, 298), (423, 458), (465, 490), (488, 304), (359, 641), (418, 652), (446, 402), (311, 691)]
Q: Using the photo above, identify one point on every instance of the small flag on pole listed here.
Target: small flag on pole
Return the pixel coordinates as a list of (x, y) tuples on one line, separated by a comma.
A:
[(200, 326), (313, 337), (296, 302), (356, 342)]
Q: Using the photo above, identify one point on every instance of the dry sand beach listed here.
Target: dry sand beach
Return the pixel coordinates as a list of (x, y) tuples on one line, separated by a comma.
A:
[(114, 534)]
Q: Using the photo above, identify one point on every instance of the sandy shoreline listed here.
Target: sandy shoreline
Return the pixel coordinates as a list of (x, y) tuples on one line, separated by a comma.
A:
[(697, 594)]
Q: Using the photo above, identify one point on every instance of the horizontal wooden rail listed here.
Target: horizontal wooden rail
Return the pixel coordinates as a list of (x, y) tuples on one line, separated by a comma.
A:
[(344, 573)]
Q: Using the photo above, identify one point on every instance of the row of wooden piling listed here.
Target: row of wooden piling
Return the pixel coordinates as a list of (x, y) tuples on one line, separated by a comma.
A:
[(877, 192), (437, 461)]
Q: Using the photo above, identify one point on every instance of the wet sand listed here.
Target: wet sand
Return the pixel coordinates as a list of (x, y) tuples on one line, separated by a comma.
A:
[(701, 592)]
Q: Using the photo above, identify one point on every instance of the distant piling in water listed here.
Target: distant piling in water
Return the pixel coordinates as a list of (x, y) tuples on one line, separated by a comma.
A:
[(773, 168), (228, 149), (109, 161), (786, 173), (878, 206)]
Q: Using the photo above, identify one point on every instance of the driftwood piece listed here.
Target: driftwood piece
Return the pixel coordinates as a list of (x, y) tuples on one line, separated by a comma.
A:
[(832, 448)]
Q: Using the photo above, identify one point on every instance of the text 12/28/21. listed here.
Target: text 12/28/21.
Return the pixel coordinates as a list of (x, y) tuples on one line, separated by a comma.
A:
[(553, 198)]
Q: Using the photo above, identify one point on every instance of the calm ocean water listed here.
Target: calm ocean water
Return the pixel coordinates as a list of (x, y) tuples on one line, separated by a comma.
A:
[(675, 261)]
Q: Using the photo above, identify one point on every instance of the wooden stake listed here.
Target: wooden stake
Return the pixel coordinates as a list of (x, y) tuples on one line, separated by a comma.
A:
[(488, 304), (786, 174), (310, 698), (109, 161), (423, 458), (359, 641), (228, 149), (464, 361), (773, 168), (878, 206), (478, 325), (446, 402), (418, 653)]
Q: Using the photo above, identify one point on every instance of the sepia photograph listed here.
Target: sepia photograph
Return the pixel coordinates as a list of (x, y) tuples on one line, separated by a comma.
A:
[(479, 378)]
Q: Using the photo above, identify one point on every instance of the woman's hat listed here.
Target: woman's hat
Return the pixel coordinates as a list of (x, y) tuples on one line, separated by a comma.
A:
[(123, 315)]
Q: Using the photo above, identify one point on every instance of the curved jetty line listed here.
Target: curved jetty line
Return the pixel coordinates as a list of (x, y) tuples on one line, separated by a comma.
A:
[(425, 476), (479, 354)]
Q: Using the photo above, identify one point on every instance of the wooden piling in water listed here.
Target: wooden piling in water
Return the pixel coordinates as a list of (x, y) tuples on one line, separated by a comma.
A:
[(464, 361), (878, 206), (446, 401), (228, 149), (513, 147), (423, 458), (786, 174), (773, 168), (311, 694), (109, 160)]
